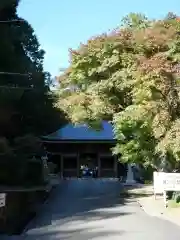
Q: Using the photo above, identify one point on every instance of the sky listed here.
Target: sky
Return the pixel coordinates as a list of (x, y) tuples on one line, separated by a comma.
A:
[(64, 24)]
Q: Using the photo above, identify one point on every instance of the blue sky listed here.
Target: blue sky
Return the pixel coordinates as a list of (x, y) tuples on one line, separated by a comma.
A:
[(61, 25)]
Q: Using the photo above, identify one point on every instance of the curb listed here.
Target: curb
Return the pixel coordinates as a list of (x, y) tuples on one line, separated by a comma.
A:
[(142, 207), (152, 214)]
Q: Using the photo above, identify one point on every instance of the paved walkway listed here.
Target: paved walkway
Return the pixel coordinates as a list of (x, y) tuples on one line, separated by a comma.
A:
[(155, 207), (93, 209)]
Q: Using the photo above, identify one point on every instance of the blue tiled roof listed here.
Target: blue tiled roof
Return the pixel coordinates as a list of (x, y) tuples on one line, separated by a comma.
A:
[(83, 132)]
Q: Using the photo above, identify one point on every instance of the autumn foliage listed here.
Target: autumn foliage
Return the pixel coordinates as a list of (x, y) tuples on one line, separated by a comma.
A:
[(130, 76)]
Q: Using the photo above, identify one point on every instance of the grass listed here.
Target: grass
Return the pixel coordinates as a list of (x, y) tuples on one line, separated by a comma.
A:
[(148, 182), (173, 204)]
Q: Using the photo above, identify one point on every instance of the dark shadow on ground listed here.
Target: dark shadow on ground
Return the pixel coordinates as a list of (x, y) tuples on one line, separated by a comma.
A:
[(136, 195), (80, 234), (133, 192), (76, 210)]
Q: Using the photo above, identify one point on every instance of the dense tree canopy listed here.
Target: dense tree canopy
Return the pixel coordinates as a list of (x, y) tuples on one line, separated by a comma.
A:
[(26, 103), (130, 76)]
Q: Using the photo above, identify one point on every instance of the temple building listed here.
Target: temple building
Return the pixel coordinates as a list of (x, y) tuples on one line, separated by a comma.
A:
[(74, 146)]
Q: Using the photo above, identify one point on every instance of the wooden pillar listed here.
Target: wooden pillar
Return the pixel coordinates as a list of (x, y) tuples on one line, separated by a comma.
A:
[(115, 166), (62, 165), (99, 165), (78, 164)]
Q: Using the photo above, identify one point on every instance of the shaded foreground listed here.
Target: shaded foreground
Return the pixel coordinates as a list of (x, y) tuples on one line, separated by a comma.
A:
[(93, 209)]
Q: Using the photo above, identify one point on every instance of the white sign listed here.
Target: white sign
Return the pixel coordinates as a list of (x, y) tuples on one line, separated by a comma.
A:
[(171, 182), (158, 178), (2, 199), (166, 182)]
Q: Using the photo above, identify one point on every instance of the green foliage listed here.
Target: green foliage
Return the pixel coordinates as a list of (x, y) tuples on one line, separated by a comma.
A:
[(130, 77), (26, 103), (134, 20), (17, 166), (20, 171), (134, 133)]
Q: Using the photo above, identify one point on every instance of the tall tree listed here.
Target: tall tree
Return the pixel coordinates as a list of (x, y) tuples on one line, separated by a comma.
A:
[(130, 77), (26, 102)]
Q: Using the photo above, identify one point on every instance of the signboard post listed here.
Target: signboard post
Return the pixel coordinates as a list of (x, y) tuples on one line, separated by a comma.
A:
[(2, 200), (165, 199), (164, 182), (158, 183)]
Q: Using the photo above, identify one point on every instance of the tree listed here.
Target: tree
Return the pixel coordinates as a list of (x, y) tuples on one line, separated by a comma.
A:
[(130, 77), (26, 102)]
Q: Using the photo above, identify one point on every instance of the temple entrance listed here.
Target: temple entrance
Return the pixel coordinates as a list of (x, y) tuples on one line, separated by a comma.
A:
[(88, 165), (82, 146), (97, 164), (89, 159)]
